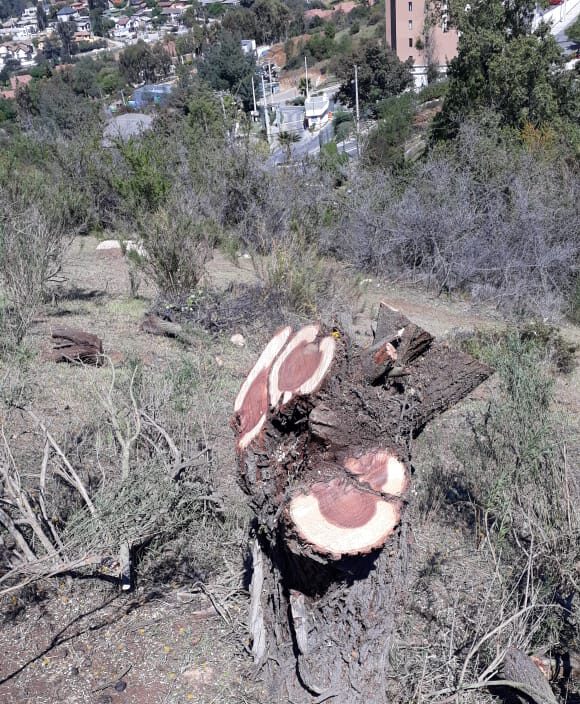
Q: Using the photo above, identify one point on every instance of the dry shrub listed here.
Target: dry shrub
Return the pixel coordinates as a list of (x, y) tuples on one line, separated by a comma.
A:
[(149, 463), (32, 245), (497, 552)]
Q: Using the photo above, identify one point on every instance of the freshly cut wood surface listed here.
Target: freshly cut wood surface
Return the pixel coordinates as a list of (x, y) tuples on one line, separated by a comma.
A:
[(338, 519), (251, 404), (381, 470)]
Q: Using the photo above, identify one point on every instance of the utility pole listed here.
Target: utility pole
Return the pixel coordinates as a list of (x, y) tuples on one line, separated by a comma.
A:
[(306, 71), (357, 109), (254, 94), (266, 119), (270, 75)]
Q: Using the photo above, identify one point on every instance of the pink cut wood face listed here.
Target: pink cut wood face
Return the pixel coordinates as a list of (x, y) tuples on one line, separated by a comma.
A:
[(343, 505), (299, 366), (385, 352), (255, 403), (338, 519), (381, 470)]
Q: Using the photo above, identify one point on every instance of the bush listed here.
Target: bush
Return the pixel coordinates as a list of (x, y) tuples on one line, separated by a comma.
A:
[(177, 242)]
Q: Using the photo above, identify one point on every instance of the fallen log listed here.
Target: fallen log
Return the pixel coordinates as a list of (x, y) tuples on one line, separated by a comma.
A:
[(155, 325), (76, 346), (323, 435)]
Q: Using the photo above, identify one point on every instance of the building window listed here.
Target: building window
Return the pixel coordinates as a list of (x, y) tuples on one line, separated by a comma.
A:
[(410, 7), (411, 42), (411, 25)]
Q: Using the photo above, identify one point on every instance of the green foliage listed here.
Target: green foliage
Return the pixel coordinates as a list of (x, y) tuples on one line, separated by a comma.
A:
[(501, 65), (573, 31), (380, 75), (385, 144), (146, 182), (272, 20), (226, 67), (143, 62), (8, 111), (333, 162)]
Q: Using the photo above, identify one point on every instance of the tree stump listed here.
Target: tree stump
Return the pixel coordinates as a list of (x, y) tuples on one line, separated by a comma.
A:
[(323, 433), (73, 345)]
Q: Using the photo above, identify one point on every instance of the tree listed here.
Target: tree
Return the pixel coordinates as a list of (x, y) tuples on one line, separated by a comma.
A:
[(41, 17), (143, 62), (189, 43), (273, 18), (573, 31), (504, 66), (302, 89), (241, 22), (287, 139), (385, 144), (226, 67), (380, 75), (66, 33)]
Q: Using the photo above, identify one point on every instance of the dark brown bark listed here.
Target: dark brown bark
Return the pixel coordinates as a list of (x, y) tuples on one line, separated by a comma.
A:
[(71, 345), (518, 667), (323, 612)]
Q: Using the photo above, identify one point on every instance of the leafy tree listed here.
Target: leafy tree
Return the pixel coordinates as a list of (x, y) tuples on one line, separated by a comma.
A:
[(502, 65), (241, 22), (287, 139), (573, 31), (226, 67), (302, 86), (380, 75), (143, 62), (66, 32), (41, 17), (7, 111), (273, 18), (385, 144), (110, 80), (191, 42)]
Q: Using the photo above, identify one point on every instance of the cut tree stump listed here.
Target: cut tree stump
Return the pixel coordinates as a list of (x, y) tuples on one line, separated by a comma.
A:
[(71, 345), (323, 435)]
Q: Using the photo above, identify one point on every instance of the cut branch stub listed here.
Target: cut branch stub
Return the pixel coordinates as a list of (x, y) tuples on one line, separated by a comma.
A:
[(251, 405), (339, 519), (302, 366), (381, 470)]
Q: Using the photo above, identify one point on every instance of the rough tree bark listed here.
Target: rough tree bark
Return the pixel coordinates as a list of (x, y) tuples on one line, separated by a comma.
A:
[(71, 345), (323, 437)]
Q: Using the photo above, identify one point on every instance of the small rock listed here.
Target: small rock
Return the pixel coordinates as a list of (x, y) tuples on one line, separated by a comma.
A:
[(238, 340), (121, 686)]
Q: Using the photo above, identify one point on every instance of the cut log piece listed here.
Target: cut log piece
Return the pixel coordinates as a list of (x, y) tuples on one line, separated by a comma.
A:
[(381, 470), (301, 366), (323, 432), (251, 405), (338, 519), (73, 345)]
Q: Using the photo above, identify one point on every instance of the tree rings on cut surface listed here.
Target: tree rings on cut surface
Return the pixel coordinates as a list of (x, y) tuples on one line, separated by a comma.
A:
[(252, 403), (381, 470), (336, 518), (301, 366)]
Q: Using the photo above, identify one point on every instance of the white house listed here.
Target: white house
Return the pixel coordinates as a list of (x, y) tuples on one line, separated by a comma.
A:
[(316, 110)]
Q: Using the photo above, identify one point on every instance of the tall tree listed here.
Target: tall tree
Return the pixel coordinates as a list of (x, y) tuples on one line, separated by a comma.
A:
[(380, 75), (143, 62), (226, 67), (503, 65)]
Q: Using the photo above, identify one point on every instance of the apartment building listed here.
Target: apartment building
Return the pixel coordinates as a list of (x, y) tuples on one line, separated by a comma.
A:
[(415, 31)]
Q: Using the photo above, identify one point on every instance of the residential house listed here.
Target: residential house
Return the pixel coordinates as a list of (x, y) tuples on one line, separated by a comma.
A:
[(22, 52), (316, 109), (408, 37), (69, 14)]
